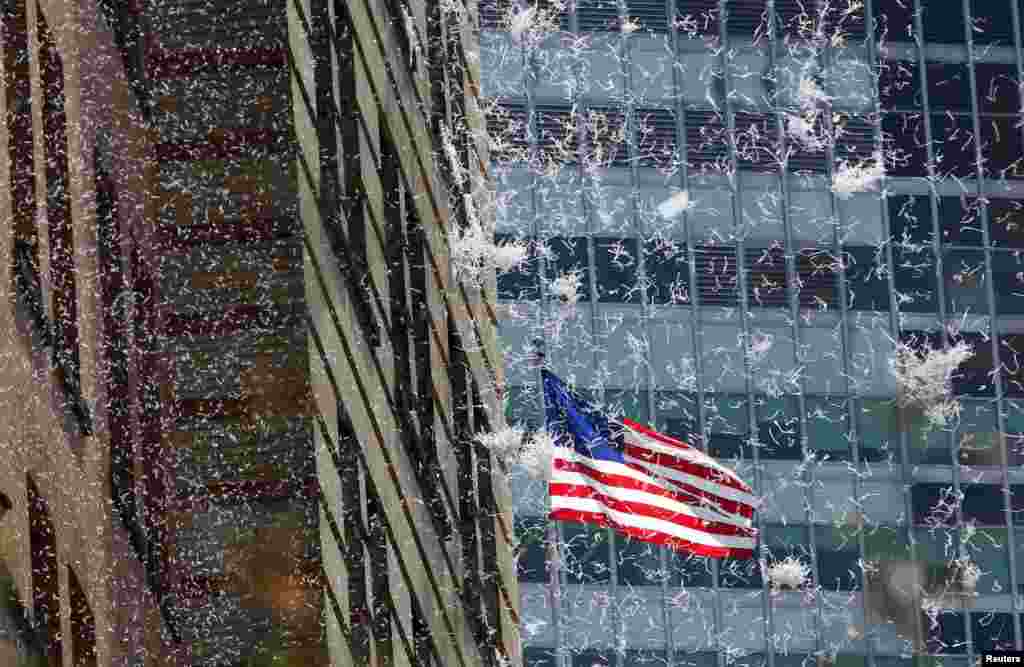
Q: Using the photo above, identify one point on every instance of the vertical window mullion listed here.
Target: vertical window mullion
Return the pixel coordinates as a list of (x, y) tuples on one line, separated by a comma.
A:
[(996, 337), (741, 271), (794, 286), (936, 248)]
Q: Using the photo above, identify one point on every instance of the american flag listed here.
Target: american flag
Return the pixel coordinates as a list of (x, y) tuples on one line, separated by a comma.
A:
[(639, 482)]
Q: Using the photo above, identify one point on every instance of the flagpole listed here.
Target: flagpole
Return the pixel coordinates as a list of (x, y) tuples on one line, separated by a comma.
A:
[(553, 531)]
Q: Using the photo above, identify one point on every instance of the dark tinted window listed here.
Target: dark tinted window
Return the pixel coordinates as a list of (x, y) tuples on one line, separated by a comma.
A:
[(960, 221), (943, 22), (642, 658), (692, 571), (992, 631), (966, 286), (949, 87), (915, 279), (837, 560), (638, 563), (1001, 147), (535, 656), (1006, 222), (594, 658), (992, 22), (997, 88), (1008, 281), (586, 554), (744, 573), (879, 430), (668, 272), (904, 134), (910, 218), (1011, 349), (894, 20), (865, 278), (615, 261), (778, 429), (947, 633), (899, 85), (520, 283), (532, 554), (569, 255), (730, 446), (974, 377), (953, 137), (982, 503)]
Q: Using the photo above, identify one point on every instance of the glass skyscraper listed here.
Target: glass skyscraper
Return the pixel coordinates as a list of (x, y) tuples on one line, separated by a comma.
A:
[(699, 260)]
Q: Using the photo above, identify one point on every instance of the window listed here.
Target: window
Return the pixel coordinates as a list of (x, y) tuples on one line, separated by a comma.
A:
[(692, 571), (990, 551), (966, 287), (1011, 348), (960, 221), (352, 503), (615, 261), (878, 430), (933, 503), (422, 644), (778, 429), (953, 143), (534, 656), (915, 281), (569, 256), (638, 563), (667, 270), (585, 554), (598, 15), (1008, 281), (61, 240), (377, 550), (865, 278), (904, 135), (519, 284), (948, 635), (346, 222), (997, 87), (45, 579), (594, 658), (531, 556), (943, 23), (704, 14), (992, 22), (114, 322), (1001, 147), (19, 120), (838, 553), (949, 87), (977, 438), (910, 219), (828, 428), (899, 85), (737, 573), (895, 20), (992, 631), (83, 624), (628, 404), (1006, 223)]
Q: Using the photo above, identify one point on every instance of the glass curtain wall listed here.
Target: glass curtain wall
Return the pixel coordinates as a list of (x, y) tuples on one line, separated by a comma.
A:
[(744, 217)]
